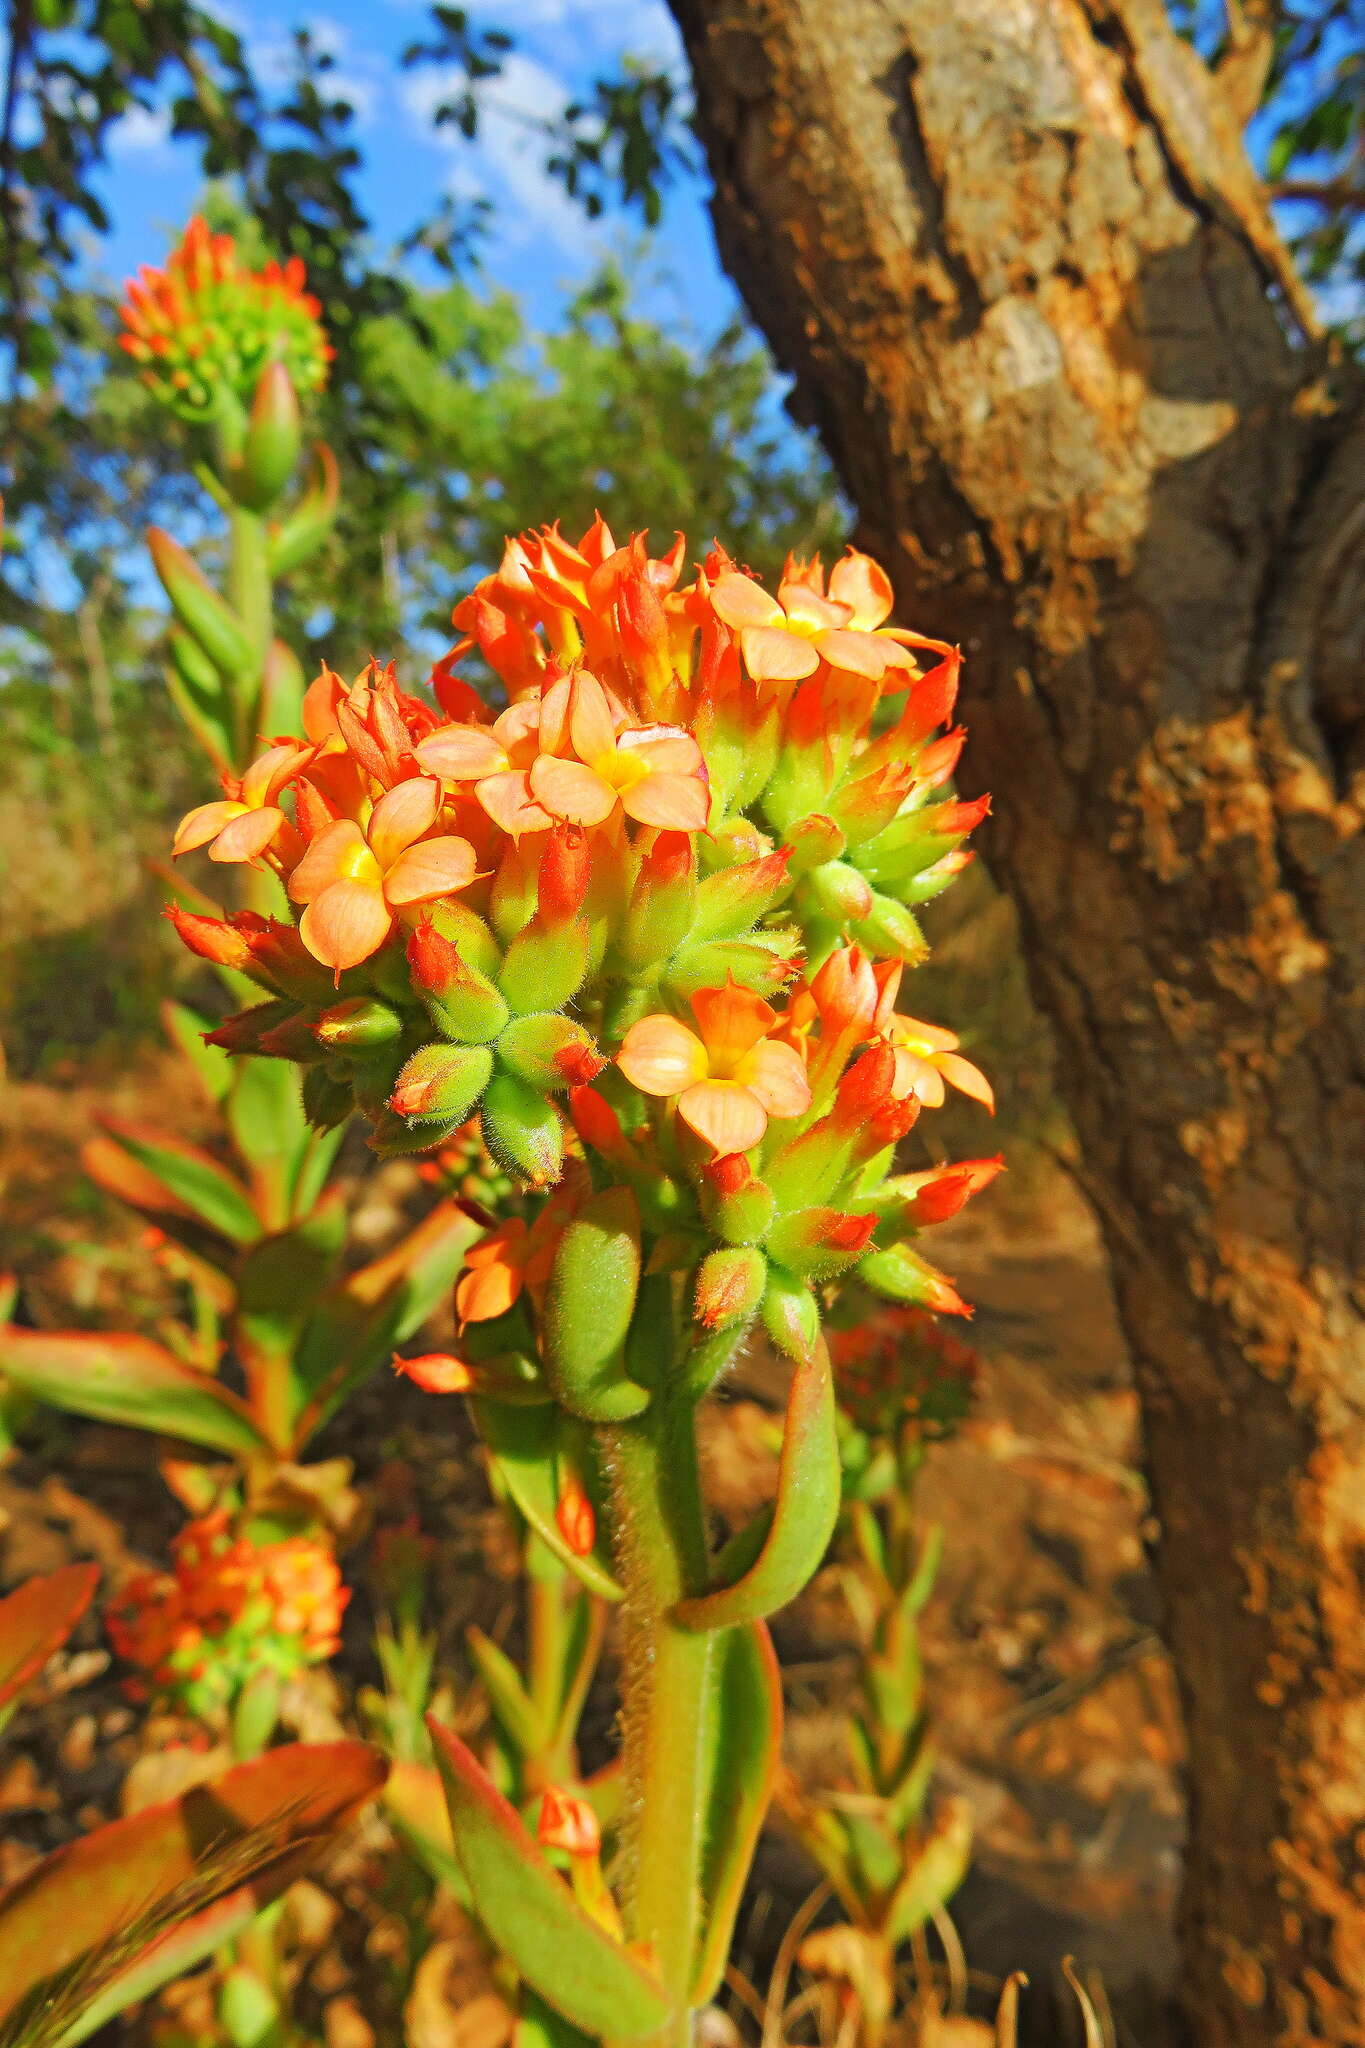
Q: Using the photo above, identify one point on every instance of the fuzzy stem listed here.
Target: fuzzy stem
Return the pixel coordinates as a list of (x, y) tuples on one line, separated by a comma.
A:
[(663, 1558)]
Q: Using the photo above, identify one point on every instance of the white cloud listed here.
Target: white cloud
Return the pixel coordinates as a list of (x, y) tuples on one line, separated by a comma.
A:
[(141, 132), (507, 160)]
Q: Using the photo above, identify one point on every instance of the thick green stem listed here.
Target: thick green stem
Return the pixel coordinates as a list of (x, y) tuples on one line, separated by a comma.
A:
[(663, 1559)]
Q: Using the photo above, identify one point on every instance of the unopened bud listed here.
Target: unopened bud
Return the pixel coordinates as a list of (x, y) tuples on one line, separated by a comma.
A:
[(549, 1052), (523, 1131), (274, 437), (441, 1082), (575, 1517), (359, 1021), (818, 1242), (730, 1285), (568, 1823), (462, 1003), (738, 1205), (791, 1315), (662, 903), (563, 876), (902, 1275), (435, 1372)]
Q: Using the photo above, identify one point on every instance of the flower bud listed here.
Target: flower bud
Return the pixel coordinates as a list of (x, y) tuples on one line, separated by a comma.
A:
[(215, 939), (549, 1051), (545, 966), (730, 902), (359, 1021), (461, 1003), (523, 1131), (730, 1284), (662, 902), (563, 876), (244, 1031), (441, 1082), (738, 1205), (435, 1372), (811, 843), (274, 436), (567, 1823), (838, 892), (902, 1275), (934, 1196), (818, 1242), (575, 1517)]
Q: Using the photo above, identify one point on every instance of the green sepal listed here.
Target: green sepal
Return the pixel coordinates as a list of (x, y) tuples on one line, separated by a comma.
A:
[(127, 1380), (544, 967), (524, 1442), (273, 439), (531, 1915), (207, 616), (744, 1743), (804, 1512), (589, 1303), (523, 1131)]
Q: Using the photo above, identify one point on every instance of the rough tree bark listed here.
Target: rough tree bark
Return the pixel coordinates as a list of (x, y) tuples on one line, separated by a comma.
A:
[(1015, 257)]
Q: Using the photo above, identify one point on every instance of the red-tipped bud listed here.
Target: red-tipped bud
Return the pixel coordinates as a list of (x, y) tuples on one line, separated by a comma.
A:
[(212, 938), (663, 902), (462, 1003), (435, 1372), (549, 1052), (738, 1205), (902, 1275), (575, 1517), (865, 1088), (811, 843), (441, 1083), (934, 1196), (246, 1031), (937, 763), (565, 871), (955, 820), (360, 1021), (730, 1284), (846, 994), (818, 1242), (292, 1038), (567, 1823), (274, 438)]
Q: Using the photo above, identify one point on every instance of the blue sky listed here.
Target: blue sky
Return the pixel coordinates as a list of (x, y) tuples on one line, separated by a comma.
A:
[(541, 245)]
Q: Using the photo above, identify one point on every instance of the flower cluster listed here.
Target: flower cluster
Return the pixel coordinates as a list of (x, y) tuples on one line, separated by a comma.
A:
[(206, 325), (227, 1610), (647, 922), (899, 1371)]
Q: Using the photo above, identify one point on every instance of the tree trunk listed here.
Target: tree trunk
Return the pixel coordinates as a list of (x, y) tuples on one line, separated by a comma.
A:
[(1014, 255)]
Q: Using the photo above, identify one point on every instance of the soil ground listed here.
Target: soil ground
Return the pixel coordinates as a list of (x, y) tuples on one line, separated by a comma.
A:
[(1054, 1700)]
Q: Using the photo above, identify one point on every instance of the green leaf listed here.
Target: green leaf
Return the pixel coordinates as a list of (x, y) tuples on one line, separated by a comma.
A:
[(212, 1066), (313, 1162), (939, 1866), (513, 1708), (745, 1713), (524, 1442), (803, 1515), (588, 1307), (539, 2026), (127, 1380), (358, 1322), (37, 1619), (194, 1181), (120, 1912), (533, 1918)]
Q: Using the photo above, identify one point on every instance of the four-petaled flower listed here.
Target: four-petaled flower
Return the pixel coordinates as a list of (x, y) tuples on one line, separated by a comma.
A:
[(785, 638), (353, 882), (731, 1078), (926, 1058), (241, 825)]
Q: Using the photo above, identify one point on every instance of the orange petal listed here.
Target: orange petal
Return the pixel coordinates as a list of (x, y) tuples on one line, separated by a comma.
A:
[(660, 1056), (571, 790), (267, 775), (434, 867), (856, 653), (337, 853), (403, 814), (961, 1074), (247, 837), (592, 729), (915, 1076), (731, 1020), (667, 749), (555, 705), (862, 583), (776, 1074), (508, 801), (773, 655), (805, 607), (461, 753), (741, 602), (345, 924), (487, 1291), (727, 1114), (199, 826), (677, 803)]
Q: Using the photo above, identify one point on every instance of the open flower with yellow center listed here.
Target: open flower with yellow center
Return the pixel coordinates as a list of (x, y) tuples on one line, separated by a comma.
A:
[(497, 760), (730, 1075), (785, 638), (591, 759), (242, 825), (354, 881)]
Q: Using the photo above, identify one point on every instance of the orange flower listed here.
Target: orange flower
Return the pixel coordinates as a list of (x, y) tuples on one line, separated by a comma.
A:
[(248, 820), (354, 882), (656, 773), (497, 759), (728, 1081), (784, 638), (927, 1056)]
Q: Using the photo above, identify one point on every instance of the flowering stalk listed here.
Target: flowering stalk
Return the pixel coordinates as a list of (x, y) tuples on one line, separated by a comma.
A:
[(904, 1385)]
